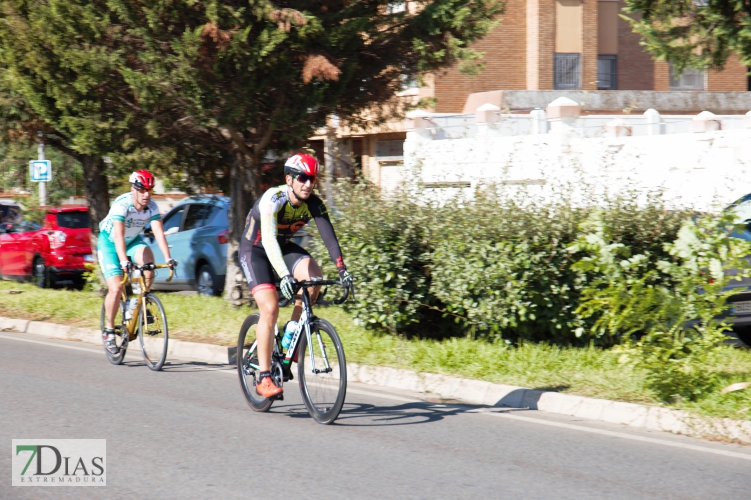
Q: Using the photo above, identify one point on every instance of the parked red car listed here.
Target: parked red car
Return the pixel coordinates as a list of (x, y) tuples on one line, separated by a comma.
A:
[(52, 253)]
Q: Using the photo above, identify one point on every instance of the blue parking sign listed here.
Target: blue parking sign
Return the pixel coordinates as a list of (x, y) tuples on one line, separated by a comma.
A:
[(41, 170)]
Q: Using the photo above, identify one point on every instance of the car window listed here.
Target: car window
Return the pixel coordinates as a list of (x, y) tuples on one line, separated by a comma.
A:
[(73, 220), (199, 215), (9, 213), (24, 227), (171, 223), (222, 219)]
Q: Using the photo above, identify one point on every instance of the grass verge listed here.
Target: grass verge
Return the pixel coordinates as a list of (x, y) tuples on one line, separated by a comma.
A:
[(592, 372)]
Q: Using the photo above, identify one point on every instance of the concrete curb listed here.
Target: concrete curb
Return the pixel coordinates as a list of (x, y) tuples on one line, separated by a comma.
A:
[(445, 387)]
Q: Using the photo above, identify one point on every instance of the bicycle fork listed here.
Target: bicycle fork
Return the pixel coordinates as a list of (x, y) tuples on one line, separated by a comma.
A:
[(321, 344)]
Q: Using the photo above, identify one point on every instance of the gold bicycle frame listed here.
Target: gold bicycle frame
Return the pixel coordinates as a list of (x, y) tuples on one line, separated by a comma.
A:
[(133, 321)]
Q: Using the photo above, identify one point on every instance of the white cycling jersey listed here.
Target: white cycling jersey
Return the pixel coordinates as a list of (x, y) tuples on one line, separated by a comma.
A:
[(124, 211)]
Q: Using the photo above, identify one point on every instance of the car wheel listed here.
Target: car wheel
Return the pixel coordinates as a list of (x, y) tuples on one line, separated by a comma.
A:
[(40, 274), (206, 281)]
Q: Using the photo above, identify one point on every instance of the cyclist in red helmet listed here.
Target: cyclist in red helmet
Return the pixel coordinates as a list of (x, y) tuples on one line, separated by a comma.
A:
[(265, 247), (120, 243)]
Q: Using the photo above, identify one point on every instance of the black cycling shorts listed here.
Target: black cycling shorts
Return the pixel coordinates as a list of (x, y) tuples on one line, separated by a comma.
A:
[(257, 268)]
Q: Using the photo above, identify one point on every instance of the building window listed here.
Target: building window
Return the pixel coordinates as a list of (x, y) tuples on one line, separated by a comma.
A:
[(607, 72), (690, 79), (567, 71), (389, 150)]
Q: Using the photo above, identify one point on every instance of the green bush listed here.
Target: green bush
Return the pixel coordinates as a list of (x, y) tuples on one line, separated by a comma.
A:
[(498, 266), (673, 305)]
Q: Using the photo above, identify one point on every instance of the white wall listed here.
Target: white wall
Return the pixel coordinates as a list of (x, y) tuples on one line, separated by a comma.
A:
[(700, 170)]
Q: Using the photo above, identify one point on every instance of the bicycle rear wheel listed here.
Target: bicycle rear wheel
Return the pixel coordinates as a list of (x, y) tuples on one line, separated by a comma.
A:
[(247, 364), (322, 370), (116, 358), (154, 335)]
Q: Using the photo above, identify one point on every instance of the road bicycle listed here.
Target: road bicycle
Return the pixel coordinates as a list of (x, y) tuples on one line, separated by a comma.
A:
[(315, 347), (147, 321)]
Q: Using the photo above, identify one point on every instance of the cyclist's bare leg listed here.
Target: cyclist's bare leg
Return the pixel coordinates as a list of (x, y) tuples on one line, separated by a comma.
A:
[(268, 305), (144, 255), (304, 271), (112, 300)]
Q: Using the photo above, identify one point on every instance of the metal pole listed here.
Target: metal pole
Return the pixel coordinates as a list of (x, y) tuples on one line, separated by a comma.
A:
[(42, 185)]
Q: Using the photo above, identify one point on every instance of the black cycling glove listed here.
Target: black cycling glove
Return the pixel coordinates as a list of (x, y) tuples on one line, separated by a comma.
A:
[(287, 286)]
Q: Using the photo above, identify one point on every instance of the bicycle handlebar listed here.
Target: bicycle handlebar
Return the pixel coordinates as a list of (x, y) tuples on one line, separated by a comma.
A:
[(301, 284), (149, 266)]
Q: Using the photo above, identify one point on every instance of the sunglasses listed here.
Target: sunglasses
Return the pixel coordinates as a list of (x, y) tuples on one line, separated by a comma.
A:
[(303, 178), (142, 189)]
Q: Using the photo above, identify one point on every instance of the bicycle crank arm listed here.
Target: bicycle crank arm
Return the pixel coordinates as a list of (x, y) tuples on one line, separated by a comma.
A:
[(317, 371)]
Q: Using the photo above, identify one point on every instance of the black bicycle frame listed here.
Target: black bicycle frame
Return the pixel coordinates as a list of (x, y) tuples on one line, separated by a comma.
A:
[(307, 319)]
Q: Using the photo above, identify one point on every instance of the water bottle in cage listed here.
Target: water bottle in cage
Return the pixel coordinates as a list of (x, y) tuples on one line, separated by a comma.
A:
[(130, 306)]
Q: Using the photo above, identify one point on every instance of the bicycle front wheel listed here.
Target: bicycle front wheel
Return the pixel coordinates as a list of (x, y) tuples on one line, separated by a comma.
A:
[(154, 334), (116, 358), (322, 371), (247, 364)]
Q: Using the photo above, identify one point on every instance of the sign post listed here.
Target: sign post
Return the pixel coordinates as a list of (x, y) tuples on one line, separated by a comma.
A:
[(41, 172), (43, 183)]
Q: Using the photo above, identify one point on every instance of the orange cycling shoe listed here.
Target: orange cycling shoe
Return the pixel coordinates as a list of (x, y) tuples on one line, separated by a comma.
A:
[(267, 388)]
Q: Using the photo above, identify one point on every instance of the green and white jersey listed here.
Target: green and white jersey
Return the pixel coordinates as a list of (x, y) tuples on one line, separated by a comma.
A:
[(123, 210)]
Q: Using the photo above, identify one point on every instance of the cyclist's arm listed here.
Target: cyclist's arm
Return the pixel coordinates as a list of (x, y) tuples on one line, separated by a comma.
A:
[(269, 208), (161, 240), (326, 230), (118, 237)]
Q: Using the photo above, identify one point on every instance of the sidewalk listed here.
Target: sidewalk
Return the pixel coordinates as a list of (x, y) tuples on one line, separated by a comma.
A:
[(453, 388)]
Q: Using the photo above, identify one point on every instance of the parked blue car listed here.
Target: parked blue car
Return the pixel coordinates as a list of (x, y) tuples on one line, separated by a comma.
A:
[(197, 231)]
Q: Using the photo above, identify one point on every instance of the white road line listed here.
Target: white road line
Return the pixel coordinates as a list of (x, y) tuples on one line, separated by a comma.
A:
[(621, 435), (53, 344)]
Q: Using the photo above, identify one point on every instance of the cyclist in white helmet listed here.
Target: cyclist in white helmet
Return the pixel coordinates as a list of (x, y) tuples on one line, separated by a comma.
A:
[(120, 243)]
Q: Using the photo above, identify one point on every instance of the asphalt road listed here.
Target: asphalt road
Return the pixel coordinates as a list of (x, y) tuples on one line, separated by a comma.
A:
[(187, 432)]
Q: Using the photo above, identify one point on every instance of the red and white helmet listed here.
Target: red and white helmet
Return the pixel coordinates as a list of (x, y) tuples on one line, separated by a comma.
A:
[(301, 164), (142, 179)]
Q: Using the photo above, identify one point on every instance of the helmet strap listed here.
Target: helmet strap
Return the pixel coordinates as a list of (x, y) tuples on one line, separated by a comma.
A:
[(297, 198)]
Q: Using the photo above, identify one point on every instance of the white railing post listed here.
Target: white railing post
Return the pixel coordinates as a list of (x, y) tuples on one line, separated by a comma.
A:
[(563, 113), (747, 120), (539, 121), (417, 122), (654, 121), (484, 115), (706, 121)]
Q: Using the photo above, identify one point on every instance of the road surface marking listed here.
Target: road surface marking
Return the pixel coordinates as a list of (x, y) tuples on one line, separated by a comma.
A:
[(622, 435), (53, 344)]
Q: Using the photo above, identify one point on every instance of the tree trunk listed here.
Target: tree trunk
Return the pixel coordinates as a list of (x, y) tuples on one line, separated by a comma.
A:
[(97, 192), (244, 191)]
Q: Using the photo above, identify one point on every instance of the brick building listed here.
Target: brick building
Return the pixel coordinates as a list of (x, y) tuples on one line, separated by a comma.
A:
[(569, 46), (572, 45)]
